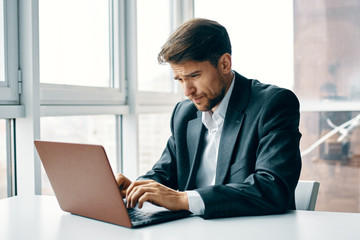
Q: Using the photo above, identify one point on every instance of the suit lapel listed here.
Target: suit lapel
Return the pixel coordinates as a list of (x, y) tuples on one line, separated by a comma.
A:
[(193, 137), (231, 129), (232, 126)]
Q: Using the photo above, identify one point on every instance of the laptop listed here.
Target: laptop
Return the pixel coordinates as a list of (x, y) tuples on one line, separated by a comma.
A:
[(84, 184)]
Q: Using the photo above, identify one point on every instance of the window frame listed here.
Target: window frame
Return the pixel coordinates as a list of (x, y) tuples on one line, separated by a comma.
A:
[(59, 94), (9, 90)]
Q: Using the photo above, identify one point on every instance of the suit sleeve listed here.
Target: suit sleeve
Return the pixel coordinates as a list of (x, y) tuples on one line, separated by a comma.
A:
[(270, 188)]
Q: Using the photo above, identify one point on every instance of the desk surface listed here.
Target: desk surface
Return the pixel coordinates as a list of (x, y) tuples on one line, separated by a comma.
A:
[(39, 217)]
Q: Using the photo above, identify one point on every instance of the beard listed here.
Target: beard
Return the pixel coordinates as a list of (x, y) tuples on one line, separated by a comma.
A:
[(213, 101)]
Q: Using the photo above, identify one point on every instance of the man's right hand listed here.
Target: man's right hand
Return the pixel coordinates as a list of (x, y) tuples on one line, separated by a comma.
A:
[(123, 183)]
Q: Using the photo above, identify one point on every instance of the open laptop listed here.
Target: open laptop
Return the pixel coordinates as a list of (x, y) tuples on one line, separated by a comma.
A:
[(84, 184)]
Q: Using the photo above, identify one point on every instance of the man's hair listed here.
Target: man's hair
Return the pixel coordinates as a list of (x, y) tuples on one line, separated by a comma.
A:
[(196, 40)]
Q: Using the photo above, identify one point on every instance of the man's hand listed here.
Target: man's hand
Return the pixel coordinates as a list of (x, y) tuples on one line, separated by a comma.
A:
[(156, 193), (123, 183)]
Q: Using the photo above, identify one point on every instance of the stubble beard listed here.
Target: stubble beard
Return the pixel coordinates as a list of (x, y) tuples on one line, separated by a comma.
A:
[(211, 102)]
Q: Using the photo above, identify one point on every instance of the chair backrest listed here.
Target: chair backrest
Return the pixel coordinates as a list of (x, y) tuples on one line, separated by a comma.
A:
[(306, 193)]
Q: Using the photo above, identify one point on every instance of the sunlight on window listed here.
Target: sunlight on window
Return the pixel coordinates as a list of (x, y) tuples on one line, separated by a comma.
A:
[(261, 33), (74, 50), (152, 31)]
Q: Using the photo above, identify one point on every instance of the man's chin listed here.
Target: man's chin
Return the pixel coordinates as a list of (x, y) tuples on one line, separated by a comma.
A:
[(201, 107)]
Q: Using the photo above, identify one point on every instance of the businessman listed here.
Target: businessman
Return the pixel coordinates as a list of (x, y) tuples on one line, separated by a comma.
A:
[(234, 144)]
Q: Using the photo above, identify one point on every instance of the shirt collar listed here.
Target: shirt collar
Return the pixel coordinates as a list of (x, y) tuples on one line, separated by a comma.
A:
[(213, 120)]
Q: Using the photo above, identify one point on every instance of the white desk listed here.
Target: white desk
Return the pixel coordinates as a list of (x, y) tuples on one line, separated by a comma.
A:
[(39, 217)]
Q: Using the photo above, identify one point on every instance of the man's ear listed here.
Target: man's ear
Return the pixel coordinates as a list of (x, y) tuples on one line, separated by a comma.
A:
[(224, 63)]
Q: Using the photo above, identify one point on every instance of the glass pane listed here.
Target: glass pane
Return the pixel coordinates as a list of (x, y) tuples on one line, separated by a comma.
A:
[(3, 165), (326, 43), (74, 42), (153, 28), (335, 163), (100, 130), (2, 44), (261, 35), (154, 131)]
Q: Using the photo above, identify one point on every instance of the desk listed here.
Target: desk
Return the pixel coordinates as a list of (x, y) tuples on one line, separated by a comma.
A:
[(40, 217)]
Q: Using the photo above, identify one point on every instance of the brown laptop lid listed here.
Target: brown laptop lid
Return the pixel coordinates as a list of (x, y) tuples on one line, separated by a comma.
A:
[(83, 181)]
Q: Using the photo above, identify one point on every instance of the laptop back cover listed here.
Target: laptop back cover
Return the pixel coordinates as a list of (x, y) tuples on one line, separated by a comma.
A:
[(82, 180)]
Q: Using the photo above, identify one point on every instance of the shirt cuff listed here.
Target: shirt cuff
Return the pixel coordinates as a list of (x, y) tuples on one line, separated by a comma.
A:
[(196, 203)]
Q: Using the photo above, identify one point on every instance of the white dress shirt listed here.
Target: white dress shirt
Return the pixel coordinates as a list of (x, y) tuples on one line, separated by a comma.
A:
[(213, 121)]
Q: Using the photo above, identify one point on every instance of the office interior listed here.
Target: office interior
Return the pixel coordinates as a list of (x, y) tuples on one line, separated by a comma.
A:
[(86, 71)]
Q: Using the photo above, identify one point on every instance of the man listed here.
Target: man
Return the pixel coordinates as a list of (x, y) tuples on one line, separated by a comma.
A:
[(234, 148)]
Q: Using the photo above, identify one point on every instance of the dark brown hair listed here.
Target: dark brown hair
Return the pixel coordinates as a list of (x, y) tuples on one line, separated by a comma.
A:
[(196, 40)]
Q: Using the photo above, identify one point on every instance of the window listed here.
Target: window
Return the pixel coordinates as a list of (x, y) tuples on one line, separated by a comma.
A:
[(310, 48), (2, 45), (154, 131), (9, 93), (7, 164), (327, 80), (71, 56), (82, 75), (262, 42), (81, 58), (99, 130), (3, 158), (75, 50), (153, 28), (156, 91)]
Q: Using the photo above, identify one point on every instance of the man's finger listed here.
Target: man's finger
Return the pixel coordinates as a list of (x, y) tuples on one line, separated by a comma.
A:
[(136, 184), (123, 183), (137, 192)]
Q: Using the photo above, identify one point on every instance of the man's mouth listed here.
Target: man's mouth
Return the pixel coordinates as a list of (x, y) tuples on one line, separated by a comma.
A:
[(197, 100)]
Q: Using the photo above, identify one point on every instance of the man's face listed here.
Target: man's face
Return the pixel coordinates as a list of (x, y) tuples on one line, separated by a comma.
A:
[(202, 83)]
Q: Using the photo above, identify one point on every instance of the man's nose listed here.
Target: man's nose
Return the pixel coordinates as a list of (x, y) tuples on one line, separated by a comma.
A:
[(188, 88)]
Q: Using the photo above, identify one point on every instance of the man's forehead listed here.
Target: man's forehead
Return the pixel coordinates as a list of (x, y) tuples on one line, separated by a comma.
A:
[(187, 68)]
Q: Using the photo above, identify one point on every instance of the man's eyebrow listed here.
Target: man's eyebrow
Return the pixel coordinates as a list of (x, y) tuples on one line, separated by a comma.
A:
[(188, 75)]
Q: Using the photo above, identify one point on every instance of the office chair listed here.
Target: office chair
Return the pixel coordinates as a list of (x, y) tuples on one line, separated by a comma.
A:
[(306, 195)]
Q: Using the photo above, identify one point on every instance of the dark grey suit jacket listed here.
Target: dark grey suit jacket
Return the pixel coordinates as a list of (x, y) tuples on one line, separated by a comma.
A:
[(258, 161)]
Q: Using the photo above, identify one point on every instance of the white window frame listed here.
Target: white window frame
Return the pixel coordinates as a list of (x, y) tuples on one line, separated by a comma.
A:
[(42, 100), (126, 102), (9, 91), (56, 94)]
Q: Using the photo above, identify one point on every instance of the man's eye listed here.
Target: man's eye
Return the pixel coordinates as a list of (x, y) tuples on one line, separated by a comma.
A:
[(195, 75)]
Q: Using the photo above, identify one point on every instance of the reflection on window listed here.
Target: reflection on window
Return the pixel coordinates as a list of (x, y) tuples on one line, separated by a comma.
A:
[(99, 130), (3, 165), (154, 131), (327, 37), (153, 28), (335, 163), (326, 43), (2, 43), (74, 42)]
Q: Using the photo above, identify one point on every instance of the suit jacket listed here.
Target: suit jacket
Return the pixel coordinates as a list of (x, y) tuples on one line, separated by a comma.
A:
[(259, 160)]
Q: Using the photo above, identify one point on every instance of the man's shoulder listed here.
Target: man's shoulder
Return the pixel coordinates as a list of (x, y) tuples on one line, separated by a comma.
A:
[(185, 108), (266, 91), (259, 93)]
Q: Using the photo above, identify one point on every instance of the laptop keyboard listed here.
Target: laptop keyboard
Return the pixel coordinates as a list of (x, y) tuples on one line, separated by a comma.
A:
[(138, 215)]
